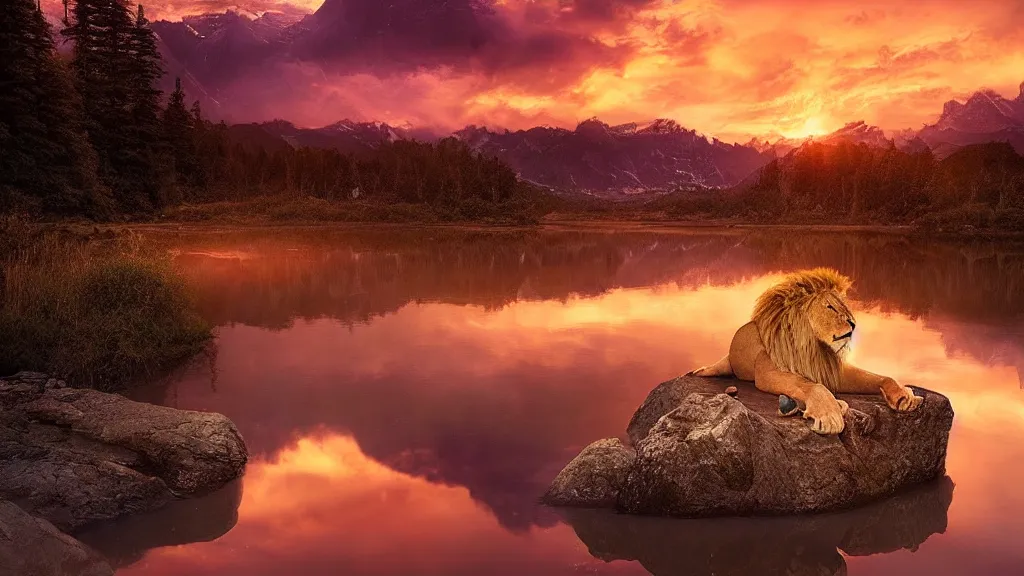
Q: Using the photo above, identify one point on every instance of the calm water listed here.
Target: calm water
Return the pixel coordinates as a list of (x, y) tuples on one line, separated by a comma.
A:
[(406, 397)]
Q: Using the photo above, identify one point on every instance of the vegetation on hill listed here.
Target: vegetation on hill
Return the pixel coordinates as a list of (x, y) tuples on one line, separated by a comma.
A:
[(93, 138), (981, 185)]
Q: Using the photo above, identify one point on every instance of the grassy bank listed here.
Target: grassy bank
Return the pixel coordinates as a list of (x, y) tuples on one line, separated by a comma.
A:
[(99, 312), (286, 209)]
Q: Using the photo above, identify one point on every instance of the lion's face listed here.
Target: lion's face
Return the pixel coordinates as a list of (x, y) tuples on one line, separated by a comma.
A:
[(831, 320)]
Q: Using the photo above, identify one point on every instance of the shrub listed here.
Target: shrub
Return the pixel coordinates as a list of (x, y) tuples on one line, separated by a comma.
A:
[(100, 314)]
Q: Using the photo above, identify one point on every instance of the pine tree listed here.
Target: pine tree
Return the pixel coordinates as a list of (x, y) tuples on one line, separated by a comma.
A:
[(47, 163), (180, 136), (144, 68), (116, 65)]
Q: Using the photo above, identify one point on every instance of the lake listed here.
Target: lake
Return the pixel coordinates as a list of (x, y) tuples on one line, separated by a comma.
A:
[(407, 395)]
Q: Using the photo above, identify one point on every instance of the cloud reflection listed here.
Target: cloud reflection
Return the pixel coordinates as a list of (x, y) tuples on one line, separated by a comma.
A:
[(437, 409)]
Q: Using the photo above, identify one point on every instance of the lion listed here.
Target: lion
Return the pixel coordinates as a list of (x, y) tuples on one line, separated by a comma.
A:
[(795, 345)]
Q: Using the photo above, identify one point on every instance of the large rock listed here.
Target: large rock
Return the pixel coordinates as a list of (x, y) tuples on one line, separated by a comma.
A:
[(700, 452), (802, 545), (593, 478), (75, 457), (34, 547)]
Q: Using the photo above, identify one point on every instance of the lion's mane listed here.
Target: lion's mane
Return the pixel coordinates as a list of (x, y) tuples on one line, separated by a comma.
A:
[(782, 317)]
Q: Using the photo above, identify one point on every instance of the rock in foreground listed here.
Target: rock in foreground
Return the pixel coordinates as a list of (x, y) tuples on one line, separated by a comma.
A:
[(594, 477), (74, 456), (700, 452), (33, 547)]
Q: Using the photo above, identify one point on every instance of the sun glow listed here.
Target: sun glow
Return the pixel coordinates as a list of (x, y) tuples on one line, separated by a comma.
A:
[(813, 126)]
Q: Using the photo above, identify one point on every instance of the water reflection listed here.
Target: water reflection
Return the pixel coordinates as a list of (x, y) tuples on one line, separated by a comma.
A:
[(321, 506), (796, 546), (974, 289), (126, 541), (471, 366)]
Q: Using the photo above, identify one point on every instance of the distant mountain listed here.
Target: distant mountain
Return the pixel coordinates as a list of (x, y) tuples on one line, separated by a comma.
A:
[(628, 158), (209, 52), (857, 133), (779, 146), (984, 117), (214, 48), (594, 158), (345, 136)]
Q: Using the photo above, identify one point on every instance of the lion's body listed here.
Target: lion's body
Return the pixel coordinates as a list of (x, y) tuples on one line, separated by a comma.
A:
[(795, 345)]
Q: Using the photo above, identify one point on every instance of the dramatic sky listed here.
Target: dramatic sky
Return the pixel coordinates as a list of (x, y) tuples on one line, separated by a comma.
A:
[(730, 68)]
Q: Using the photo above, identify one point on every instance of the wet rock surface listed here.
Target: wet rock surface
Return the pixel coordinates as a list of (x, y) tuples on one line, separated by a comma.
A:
[(701, 452), (75, 456), (79, 459)]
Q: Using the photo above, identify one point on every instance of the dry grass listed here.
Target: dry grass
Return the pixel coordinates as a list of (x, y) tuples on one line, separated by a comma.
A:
[(304, 209), (100, 313)]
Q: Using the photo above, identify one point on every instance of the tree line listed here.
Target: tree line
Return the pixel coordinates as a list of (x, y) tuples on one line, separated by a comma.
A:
[(846, 182), (94, 136)]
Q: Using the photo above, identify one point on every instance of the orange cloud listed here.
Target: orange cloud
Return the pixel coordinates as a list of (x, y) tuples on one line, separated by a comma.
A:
[(728, 68), (418, 439), (321, 506)]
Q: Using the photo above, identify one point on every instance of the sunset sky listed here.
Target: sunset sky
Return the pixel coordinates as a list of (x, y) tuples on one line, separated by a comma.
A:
[(728, 68)]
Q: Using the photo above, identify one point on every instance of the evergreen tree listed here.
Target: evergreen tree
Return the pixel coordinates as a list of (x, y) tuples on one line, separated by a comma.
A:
[(47, 163), (116, 65), (154, 168), (179, 134)]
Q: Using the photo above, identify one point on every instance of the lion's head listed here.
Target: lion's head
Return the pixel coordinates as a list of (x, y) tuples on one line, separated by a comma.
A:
[(805, 324)]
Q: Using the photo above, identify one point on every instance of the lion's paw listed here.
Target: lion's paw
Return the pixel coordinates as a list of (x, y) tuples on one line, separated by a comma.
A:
[(825, 412), (903, 400), (697, 372)]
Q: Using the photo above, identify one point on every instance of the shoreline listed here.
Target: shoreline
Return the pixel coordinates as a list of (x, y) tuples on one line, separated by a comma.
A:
[(596, 225)]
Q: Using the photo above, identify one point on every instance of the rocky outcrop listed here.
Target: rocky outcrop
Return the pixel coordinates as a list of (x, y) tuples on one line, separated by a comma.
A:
[(700, 452), (34, 547), (78, 459), (806, 545), (103, 456)]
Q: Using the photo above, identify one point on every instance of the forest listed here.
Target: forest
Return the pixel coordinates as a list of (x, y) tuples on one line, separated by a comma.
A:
[(977, 186), (92, 136)]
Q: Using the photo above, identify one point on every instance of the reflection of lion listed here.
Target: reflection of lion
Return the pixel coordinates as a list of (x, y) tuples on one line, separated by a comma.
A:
[(794, 346)]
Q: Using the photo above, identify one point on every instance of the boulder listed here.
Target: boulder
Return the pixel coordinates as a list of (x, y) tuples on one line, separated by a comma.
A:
[(593, 478), (34, 547), (803, 545), (75, 456), (701, 452)]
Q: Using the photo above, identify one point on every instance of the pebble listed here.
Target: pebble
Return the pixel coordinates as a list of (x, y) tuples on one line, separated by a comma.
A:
[(787, 405), (732, 391)]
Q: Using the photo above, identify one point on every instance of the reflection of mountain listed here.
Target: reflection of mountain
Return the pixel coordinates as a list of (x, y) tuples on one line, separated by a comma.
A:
[(204, 519), (992, 344), (797, 546), (497, 437), (452, 409), (356, 276)]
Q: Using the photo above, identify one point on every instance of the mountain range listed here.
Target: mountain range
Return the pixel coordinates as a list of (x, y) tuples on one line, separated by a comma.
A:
[(210, 52)]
